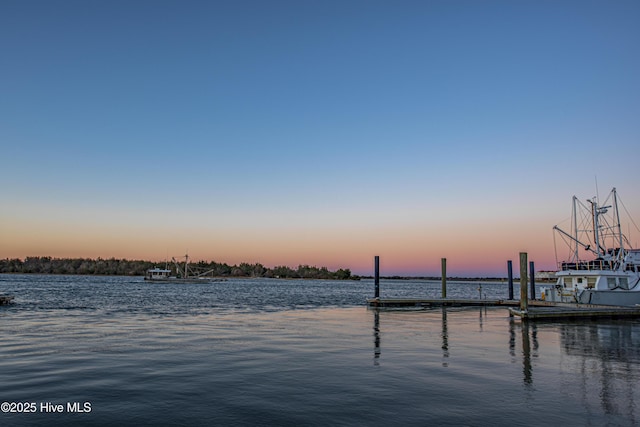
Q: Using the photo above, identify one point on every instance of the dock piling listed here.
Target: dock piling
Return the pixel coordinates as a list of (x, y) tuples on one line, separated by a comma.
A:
[(532, 280), (444, 277), (510, 276), (377, 276), (524, 303)]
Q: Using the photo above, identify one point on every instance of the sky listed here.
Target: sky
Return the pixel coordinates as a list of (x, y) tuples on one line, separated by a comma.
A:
[(314, 132)]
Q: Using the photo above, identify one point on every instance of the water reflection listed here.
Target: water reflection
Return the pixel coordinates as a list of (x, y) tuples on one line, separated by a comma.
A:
[(376, 337), (530, 346), (615, 346), (619, 340), (445, 338), (528, 333), (586, 368), (608, 356)]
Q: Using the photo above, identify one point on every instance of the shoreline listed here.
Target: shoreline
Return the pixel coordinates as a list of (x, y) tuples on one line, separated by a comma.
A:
[(353, 278)]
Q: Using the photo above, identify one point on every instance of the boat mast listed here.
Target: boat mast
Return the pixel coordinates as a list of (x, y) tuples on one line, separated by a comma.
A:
[(596, 212), (620, 237), (186, 264), (575, 227), (596, 227)]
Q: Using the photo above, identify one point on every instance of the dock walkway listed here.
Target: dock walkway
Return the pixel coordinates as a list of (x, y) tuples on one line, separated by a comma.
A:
[(537, 310), (447, 302), (575, 311)]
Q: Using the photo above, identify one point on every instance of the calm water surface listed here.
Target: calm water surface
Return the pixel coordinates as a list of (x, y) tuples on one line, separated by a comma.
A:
[(276, 352)]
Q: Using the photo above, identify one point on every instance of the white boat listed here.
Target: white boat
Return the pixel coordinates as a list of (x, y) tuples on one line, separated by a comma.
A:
[(183, 274), (158, 274), (612, 275)]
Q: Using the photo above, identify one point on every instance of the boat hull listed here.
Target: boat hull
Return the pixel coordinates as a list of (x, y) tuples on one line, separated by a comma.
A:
[(177, 280), (628, 298), (622, 298)]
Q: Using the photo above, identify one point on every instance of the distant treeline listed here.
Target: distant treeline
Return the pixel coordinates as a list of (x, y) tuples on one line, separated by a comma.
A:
[(124, 267), (438, 278)]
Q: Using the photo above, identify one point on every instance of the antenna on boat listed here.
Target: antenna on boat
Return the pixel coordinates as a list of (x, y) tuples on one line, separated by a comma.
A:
[(186, 263)]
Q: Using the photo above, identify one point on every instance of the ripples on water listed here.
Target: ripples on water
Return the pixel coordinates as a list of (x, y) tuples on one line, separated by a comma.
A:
[(276, 352)]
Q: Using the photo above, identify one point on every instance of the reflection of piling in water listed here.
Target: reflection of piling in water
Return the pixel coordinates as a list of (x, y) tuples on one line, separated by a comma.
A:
[(445, 338), (376, 337), (526, 354), (480, 320), (528, 335), (528, 338), (512, 337)]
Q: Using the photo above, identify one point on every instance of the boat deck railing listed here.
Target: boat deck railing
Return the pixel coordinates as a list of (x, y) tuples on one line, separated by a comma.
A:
[(587, 265), (596, 265)]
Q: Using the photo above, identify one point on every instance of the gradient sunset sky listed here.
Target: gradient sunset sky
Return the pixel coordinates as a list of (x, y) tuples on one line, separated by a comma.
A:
[(314, 132)]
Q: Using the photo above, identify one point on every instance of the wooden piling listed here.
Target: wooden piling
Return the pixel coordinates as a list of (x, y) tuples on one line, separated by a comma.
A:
[(524, 303), (510, 276), (377, 276), (532, 280), (444, 277)]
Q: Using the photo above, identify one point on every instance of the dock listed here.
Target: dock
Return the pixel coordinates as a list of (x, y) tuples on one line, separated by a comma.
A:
[(575, 311), (525, 308), (5, 299), (536, 310), (443, 302)]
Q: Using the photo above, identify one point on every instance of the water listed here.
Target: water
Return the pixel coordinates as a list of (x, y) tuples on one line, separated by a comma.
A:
[(287, 352)]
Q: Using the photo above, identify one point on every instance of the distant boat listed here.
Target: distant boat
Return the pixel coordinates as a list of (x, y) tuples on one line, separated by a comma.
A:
[(612, 277), (183, 274)]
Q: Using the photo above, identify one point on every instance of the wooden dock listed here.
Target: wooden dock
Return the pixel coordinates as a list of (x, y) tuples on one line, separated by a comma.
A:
[(536, 310), (446, 302), (523, 308), (5, 299), (575, 311)]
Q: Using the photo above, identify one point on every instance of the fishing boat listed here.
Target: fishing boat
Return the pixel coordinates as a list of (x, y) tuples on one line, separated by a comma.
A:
[(612, 274), (184, 274)]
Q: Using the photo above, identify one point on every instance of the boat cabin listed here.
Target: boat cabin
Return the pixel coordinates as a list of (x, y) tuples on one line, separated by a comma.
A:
[(158, 274)]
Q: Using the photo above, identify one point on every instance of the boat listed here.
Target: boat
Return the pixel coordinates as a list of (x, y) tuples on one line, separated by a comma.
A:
[(611, 276), (184, 274), (158, 275)]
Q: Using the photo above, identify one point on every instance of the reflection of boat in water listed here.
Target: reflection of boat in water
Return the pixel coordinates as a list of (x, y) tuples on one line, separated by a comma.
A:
[(184, 274), (609, 353), (602, 341), (584, 373), (613, 277)]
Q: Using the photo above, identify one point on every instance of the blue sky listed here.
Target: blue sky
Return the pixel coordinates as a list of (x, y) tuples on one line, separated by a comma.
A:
[(286, 132)]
